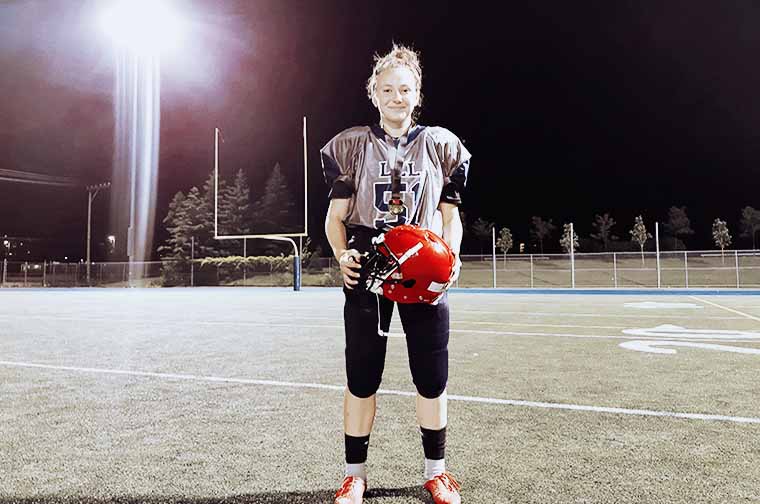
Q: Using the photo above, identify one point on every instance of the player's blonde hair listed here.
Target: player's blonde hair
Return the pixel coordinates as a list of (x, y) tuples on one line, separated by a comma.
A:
[(399, 56)]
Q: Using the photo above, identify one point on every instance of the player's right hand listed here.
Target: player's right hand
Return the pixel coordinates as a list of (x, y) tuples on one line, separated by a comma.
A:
[(350, 263)]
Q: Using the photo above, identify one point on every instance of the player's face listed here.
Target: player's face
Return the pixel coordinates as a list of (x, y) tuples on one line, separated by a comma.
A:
[(396, 96)]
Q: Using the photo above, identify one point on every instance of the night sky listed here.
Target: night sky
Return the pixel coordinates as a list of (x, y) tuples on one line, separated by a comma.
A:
[(569, 108)]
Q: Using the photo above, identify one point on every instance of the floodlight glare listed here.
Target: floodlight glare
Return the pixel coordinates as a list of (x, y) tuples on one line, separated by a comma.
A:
[(145, 27)]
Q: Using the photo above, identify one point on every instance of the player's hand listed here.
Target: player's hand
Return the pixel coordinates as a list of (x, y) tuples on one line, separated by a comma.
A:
[(350, 264), (455, 271)]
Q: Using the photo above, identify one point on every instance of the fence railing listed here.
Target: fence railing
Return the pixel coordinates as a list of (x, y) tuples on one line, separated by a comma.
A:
[(735, 268), (732, 269)]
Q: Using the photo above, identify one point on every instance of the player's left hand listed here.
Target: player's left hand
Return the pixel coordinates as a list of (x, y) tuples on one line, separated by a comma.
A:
[(456, 270)]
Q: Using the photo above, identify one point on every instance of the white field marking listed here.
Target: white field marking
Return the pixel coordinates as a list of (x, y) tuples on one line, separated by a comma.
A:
[(746, 315), (653, 305), (587, 336), (338, 315), (293, 317), (599, 315), (473, 399), (527, 324), (340, 327), (651, 347), (672, 331)]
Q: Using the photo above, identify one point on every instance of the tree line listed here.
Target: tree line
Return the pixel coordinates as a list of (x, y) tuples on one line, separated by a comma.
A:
[(673, 233), (190, 223), (190, 218)]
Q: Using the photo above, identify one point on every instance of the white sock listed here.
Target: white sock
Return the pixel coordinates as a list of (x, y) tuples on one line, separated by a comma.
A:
[(433, 468), (359, 470)]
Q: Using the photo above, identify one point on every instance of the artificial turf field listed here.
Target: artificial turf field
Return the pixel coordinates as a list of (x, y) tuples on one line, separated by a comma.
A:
[(235, 395)]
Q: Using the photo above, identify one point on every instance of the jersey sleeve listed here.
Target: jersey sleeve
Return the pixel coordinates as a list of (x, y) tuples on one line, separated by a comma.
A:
[(340, 158), (455, 163)]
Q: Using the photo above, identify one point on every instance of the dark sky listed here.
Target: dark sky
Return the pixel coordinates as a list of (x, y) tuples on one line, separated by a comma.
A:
[(569, 108)]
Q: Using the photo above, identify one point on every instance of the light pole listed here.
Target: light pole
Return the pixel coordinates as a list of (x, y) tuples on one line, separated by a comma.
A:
[(92, 191), (142, 31)]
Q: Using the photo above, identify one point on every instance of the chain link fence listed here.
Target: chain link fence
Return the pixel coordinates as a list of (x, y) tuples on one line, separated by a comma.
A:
[(710, 269), (318, 272)]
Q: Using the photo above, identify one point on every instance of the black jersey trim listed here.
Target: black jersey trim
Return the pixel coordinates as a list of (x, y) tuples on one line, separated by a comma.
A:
[(414, 131), (341, 190)]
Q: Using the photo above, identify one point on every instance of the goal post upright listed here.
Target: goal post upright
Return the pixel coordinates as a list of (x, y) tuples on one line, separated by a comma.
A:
[(268, 236)]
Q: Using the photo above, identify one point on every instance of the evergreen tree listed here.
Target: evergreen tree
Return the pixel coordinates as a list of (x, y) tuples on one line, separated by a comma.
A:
[(640, 235), (176, 222), (273, 209), (204, 228), (234, 213), (235, 207), (200, 211)]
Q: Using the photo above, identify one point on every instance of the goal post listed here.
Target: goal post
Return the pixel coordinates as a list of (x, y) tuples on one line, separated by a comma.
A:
[(288, 237)]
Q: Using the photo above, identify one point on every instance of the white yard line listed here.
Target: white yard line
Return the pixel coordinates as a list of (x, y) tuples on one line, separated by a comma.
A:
[(746, 315), (340, 327), (599, 315), (452, 397), (215, 322), (528, 324)]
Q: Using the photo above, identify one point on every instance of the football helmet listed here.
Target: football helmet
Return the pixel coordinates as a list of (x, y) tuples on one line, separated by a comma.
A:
[(409, 264)]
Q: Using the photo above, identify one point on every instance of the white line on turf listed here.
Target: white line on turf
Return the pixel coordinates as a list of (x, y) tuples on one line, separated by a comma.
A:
[(746, 315), (340, 327), (216, 322), (452, 397), (599, 315)]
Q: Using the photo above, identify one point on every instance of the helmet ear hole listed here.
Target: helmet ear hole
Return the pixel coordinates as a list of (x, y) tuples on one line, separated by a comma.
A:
[(409, 283)]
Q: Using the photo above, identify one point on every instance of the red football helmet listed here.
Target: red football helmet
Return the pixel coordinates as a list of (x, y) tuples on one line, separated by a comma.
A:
[(409, 264)]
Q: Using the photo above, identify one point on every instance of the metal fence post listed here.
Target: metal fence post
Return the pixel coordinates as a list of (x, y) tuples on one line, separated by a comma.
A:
[(26, 268), (736, 259), (657, 242), (572, 257), (5, 270), (192, 261), (245, 263), (614, 268), (531, 271), (493, 254), (686, 267), (44, 272)]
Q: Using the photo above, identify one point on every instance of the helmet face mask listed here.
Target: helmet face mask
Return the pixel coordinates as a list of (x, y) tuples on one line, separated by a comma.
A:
[(381, 264), (409, 265)]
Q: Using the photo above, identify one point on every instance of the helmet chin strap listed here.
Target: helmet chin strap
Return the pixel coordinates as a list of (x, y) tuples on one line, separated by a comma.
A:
[(395, 205)]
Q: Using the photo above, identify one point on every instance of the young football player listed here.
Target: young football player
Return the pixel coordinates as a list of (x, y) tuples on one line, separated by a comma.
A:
[(380, 176)]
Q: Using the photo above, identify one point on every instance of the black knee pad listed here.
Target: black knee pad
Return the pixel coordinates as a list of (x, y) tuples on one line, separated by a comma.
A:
[(430, 372), (364, 367)]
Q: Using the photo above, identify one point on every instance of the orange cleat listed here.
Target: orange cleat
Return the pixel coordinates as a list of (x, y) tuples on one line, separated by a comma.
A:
[(444, 489), (351, 491)]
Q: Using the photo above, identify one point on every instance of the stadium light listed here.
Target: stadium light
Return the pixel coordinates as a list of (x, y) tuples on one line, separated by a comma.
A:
[(145, 27)]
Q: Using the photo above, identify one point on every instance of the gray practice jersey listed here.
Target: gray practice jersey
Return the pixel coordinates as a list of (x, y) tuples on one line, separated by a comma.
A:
[(358, 164)]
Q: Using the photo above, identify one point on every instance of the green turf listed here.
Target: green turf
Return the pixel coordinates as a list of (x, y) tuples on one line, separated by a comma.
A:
[(81, 436)]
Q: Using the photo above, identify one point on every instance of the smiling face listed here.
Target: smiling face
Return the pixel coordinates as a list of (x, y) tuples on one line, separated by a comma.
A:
[(396, 96)]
